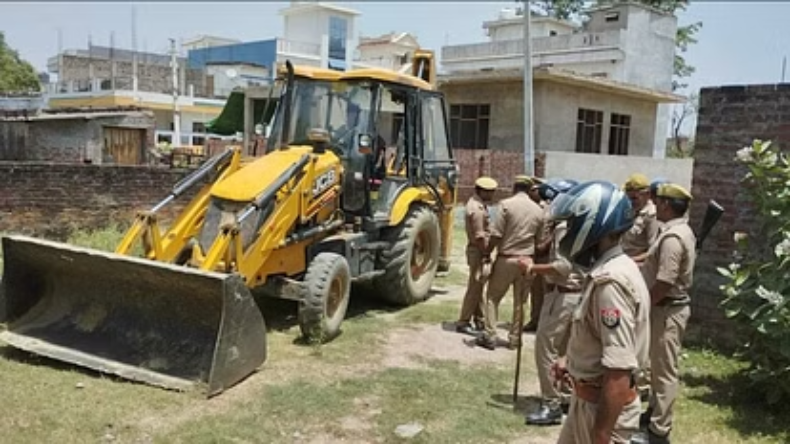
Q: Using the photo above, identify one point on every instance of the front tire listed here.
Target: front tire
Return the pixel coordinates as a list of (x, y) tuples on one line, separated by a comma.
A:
[(327, 289), (410, 265)]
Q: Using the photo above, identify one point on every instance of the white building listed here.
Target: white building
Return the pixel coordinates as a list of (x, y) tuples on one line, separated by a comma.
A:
[(390, 51), (206, 41), (223, 78), (625, 46)]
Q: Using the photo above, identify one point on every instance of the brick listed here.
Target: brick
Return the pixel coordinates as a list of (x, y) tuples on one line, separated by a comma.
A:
[(44, 199), (729, 118)]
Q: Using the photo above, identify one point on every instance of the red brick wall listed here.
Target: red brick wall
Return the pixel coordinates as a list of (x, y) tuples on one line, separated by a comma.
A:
[(502, 165), (729, 118), (46, 199)]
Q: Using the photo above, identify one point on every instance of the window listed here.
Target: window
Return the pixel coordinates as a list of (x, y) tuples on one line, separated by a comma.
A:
[(612, 17), (198, 128), (589, 127), (435, 146), (469, 126), (619, 132), (338, 33)]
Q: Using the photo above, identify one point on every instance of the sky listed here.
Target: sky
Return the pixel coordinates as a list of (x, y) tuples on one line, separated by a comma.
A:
[(740, 42)]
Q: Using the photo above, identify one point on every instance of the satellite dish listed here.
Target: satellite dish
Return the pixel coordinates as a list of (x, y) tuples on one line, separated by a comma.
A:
[(231, 73)]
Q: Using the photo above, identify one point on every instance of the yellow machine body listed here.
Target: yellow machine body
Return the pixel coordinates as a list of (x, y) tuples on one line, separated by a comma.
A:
[(300, 222)]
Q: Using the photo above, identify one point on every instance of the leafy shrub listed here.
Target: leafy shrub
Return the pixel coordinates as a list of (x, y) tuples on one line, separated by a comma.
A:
[(758, 280)]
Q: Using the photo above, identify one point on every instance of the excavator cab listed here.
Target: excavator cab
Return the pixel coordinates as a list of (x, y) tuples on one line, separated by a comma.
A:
[(357, 183)]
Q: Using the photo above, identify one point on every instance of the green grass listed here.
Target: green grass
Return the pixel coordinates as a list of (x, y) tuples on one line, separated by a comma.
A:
[(343, 391), (453, 404), (717, 405), (105, 239)]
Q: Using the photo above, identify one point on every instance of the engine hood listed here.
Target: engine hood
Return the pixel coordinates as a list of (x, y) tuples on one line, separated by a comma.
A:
[(252, 178)]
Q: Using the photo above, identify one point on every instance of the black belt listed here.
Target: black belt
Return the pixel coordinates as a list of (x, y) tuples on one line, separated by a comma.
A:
[(561, 289), (674, 302)]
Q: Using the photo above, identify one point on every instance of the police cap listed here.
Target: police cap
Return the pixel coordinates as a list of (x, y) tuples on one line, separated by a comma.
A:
[(637, 181), (486, 183), (673, 191)]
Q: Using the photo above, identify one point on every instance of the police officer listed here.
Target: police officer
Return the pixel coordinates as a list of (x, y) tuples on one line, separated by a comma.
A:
[(643, 379), (563, 284), (477, 255), (610, 332), (668, 271), (514, 233), (538, 288), (645, 229)]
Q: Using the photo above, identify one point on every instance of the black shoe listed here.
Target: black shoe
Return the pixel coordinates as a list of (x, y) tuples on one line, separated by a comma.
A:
[(545, 416), (565, 407), (649, 438), (532, 327), (657, 439), (485, 342), (465, 328), (639, 438), (644, 418)]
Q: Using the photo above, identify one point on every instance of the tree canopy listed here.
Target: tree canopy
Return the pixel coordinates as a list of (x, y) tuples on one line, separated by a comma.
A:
[(16, 75), (686, 35)]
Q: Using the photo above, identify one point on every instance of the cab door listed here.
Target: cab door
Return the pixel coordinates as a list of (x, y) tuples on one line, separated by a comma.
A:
[(437, 165), (437, 168)]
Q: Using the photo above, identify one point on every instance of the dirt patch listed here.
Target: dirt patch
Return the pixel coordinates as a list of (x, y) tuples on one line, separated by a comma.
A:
[(274, 373), (412, 347)]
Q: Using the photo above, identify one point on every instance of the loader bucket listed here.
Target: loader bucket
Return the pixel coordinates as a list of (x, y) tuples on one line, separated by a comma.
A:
[(166, 325)]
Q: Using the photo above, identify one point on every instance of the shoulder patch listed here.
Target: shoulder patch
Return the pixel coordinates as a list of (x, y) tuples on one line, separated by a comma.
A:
[(610, 317), (601, 277)]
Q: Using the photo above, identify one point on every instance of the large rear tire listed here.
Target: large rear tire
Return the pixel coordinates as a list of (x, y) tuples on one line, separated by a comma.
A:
[(410, 265), (327, 289)]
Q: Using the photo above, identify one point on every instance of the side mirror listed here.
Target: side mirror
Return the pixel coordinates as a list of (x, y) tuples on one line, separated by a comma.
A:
[(365, 144)]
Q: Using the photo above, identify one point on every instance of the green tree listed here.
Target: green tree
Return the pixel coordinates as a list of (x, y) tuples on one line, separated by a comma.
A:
[(686, 35), (561, 9), (16, 75)]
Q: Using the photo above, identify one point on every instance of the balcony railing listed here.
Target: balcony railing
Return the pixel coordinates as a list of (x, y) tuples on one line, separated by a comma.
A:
[(513, 48), (187, 138), (294, 47)]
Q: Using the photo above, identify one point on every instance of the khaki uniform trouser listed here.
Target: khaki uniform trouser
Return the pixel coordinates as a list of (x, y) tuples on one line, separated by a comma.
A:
[(536, 296), (667, 326), (578, 426), (506, 272), (551, 341), (473, 304)]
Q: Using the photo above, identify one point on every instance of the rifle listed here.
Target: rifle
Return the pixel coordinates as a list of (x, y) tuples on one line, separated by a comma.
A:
[(712, 215)]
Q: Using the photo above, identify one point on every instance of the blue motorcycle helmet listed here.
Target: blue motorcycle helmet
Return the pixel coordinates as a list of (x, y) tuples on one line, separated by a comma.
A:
[(549, 189), (593, 210)]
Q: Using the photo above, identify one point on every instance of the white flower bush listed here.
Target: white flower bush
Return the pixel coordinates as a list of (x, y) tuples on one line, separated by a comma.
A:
[(757, 290)]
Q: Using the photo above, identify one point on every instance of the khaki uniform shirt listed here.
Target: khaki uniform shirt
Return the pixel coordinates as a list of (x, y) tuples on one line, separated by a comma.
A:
[(477, 222), (610, 328), (569, 275), (671, 259), (643, 233), (519, 224), (546, 231)]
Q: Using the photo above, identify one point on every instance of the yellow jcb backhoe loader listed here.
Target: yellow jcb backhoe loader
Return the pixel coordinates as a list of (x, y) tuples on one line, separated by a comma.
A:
[(357, 183)]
